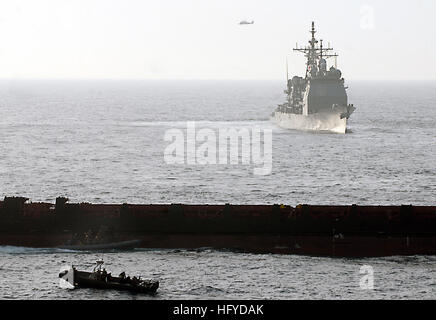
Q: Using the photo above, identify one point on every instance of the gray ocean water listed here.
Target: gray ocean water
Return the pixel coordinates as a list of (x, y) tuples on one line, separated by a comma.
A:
[(103, 142)]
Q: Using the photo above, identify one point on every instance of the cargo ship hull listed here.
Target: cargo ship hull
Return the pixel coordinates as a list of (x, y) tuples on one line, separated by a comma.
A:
[(338, 231), (312, 245)]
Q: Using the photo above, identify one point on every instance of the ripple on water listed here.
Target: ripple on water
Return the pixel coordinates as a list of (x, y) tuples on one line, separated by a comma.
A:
[(222, 275)]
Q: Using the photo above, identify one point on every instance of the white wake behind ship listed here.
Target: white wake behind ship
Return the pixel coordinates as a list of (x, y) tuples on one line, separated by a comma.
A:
[(318, 101)]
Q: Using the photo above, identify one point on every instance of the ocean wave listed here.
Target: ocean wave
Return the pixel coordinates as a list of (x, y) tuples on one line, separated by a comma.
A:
[(198, 123), (206, 290)]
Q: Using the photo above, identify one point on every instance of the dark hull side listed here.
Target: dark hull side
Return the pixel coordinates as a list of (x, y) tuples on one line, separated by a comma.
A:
[(341, 231), (348, 246), (122, 245)]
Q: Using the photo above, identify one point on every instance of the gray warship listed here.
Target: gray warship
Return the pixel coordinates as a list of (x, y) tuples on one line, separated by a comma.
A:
[(319, 100)]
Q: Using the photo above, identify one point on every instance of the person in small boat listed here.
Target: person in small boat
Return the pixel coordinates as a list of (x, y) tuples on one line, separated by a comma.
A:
[(103, 275), (123, 278), (135, 281)]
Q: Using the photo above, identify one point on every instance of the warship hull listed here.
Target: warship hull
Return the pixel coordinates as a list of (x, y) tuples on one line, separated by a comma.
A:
[(329, 122)]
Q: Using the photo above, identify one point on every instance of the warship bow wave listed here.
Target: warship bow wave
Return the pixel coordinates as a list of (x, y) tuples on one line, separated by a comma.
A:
[(319, 100)]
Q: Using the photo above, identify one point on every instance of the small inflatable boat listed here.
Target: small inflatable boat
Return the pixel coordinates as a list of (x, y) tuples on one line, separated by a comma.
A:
[(71, 278)]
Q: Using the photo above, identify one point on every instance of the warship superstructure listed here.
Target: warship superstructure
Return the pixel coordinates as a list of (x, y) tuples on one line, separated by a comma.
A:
[(319, 100)]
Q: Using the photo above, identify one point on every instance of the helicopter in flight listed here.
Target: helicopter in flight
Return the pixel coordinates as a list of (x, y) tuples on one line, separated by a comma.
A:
[(246, 22)]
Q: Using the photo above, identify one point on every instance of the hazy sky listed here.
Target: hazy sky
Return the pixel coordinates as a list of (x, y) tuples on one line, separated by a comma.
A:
[(387, 39)]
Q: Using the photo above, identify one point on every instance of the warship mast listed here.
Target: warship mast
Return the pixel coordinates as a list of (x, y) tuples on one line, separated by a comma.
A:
[(314, 53)]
